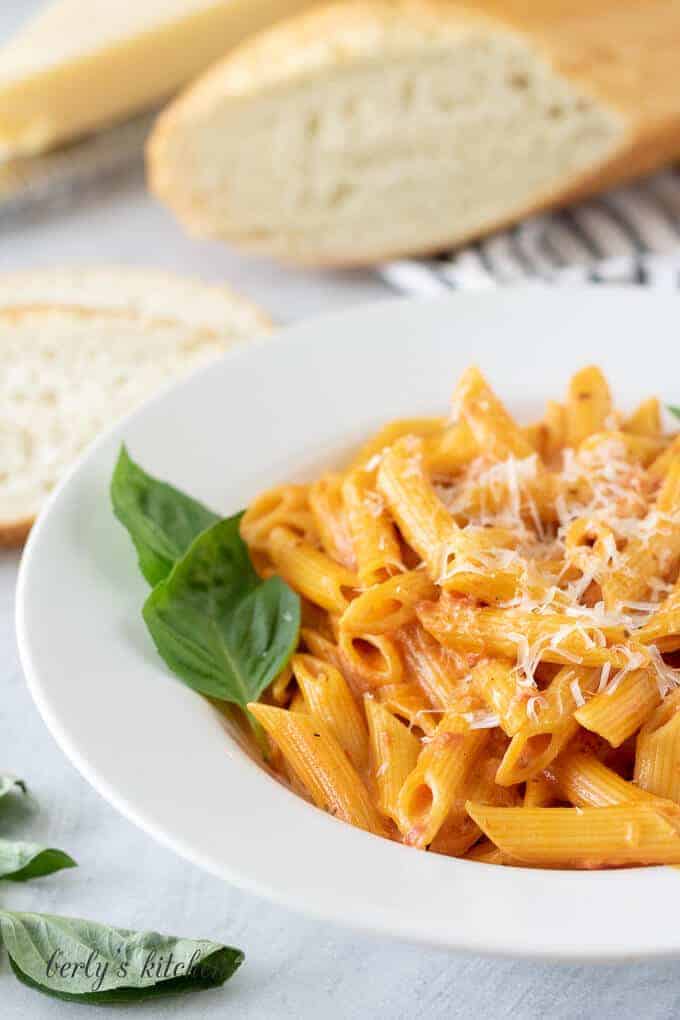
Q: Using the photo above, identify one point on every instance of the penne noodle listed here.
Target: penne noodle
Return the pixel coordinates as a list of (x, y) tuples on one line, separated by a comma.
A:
[(283, 687), (493, 428), (620, 711), (373, 449), (311, 572), (540, 791), (663, 626), (657, 758), (389, 605), (373, 658), (499, 686), (331, 519), (394, 753), (408, 702), (450, 449), (373, 536), (610, 837), (504, 633), (653, 556), (320, 764), (539, 741), (585, 781), (437, 784), (442, 675), (645, 419), (589, 405), (329, 699), (285, 506)]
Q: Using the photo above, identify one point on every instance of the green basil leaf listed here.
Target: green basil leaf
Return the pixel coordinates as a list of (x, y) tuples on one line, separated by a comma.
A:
[(161, 520), (20, 861), (674, 409), (82, 961), (9, 784), (219, 627)]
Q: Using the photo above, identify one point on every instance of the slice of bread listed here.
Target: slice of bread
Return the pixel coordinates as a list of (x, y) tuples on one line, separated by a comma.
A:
[(148, 293), (70, 370), (371, 130)]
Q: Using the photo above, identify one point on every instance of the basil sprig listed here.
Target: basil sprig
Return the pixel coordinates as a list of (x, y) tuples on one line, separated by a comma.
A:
[(161, 520), (82, 961), (225, 632), (218, 626), (674, 409)]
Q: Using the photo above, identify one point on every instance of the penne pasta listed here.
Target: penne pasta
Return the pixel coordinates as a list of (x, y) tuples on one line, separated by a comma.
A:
[(620, 711), (320, 764), (329, 699), (486, 665), (285, 506), (539, 741), (374, 539), (371, 452), (508, 633), (645, 419), (652, 556), (585, 781), (494, 429), (443, 676), (436, 786), (311, 572), (331, 519), (589, 405), (408, 702), (387, 606), (610, 837), (657, 758), (394, 753)]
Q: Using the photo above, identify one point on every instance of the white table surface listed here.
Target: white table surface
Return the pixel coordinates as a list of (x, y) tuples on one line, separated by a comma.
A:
[(295, 968)]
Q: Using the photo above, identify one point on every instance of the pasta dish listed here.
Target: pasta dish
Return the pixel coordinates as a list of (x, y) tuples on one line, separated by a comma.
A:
[(490, 617)]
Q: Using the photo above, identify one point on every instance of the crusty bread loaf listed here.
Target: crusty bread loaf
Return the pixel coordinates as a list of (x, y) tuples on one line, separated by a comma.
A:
[(374, 129), (69, 370)]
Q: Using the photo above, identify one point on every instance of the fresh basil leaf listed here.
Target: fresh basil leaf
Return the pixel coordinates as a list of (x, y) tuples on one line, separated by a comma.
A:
[(20, 861), (674, 409), (8, 784), (219, 627), (161, 520), (82, 961)]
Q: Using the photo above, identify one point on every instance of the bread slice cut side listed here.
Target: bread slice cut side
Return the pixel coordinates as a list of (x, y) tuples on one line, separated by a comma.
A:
[(68, 374), (147, 293), (378, 141)]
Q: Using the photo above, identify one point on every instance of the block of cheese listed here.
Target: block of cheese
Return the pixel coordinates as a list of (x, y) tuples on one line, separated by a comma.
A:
[(81, 64), (375, 129)]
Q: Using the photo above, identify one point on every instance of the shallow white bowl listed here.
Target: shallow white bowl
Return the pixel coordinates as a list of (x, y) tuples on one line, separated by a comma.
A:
[(267, 412)]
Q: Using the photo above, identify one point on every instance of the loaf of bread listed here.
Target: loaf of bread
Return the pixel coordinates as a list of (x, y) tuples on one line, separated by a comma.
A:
[(79, 349), (78, 65), (371, 130)]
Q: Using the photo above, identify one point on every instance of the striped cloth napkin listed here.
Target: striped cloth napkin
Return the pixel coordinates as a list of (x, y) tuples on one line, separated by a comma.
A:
[(629, 235)]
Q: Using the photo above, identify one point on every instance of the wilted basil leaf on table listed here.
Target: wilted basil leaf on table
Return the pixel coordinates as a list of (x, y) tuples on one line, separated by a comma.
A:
[(224, 631), (21, 861), (161, 520), (82, 961)]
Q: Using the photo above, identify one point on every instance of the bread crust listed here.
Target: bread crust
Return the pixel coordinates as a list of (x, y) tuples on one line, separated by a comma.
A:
[(621, 53)]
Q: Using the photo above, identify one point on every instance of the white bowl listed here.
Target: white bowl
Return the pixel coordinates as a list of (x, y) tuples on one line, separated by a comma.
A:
[(275, 410)]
